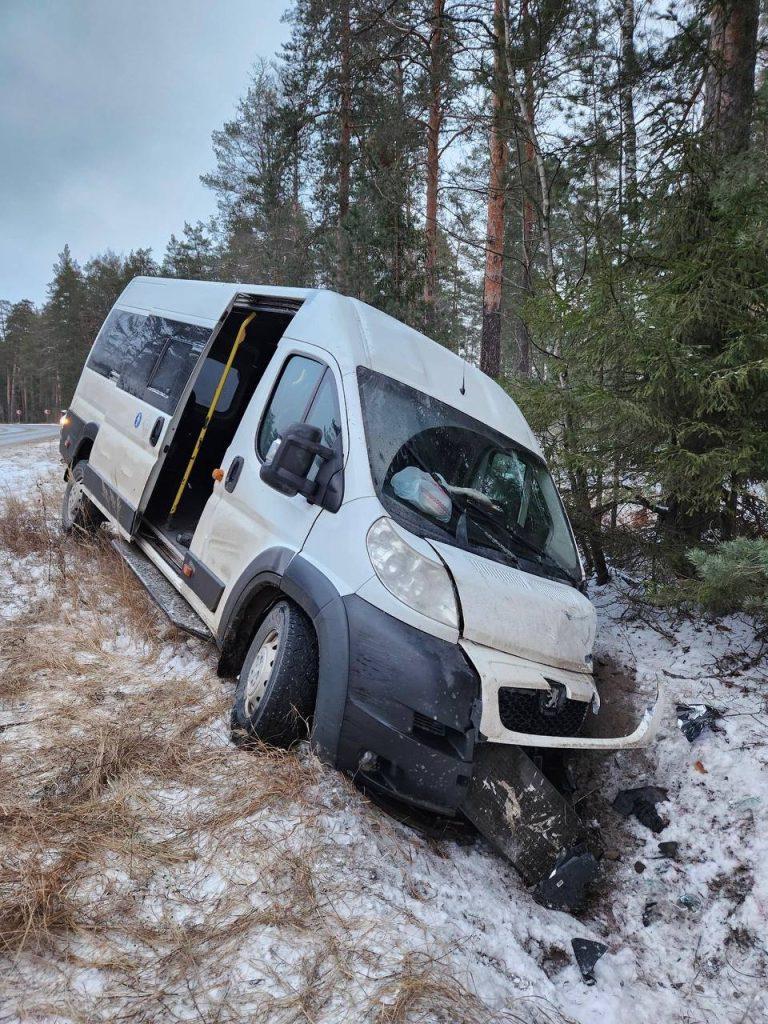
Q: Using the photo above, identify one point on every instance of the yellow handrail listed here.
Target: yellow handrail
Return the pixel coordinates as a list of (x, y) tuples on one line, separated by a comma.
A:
[(211, 410)]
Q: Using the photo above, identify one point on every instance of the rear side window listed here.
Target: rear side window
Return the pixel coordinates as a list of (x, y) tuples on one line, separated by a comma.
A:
[(182, 345), (148, 356), (120, 343), (290, 400)]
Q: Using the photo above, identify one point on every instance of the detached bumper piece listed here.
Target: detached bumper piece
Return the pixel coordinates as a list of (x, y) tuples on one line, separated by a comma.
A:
[(521, 813)]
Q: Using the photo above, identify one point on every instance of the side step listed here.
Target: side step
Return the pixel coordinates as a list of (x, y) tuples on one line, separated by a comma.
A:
[(512, 803), (163, 593)]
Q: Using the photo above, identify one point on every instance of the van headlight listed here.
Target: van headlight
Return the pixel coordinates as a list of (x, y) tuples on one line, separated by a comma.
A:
[(420, 582)]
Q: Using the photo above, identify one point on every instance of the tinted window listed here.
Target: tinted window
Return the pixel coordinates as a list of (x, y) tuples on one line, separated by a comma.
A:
[(183, 345), (135, 350), (207, 381), (290, 399), (120, 342), (324, 413)]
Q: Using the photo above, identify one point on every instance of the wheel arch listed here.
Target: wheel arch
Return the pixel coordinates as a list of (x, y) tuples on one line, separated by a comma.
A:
[(77, 438), (279, 572)]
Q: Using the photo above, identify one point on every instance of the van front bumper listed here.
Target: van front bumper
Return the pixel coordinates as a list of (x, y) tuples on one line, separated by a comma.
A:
[(416, 707), (572, 695)]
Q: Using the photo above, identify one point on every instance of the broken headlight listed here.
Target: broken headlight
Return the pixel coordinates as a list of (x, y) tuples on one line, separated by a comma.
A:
[(421, 583)]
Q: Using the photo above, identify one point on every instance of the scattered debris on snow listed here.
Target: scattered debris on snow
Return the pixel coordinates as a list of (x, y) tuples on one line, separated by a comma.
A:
[(693, 719)]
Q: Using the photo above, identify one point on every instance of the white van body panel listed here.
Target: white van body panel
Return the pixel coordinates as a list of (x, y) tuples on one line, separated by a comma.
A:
[(194, 301), (122, 454), (522, 614), (359, 335), (337, 546)]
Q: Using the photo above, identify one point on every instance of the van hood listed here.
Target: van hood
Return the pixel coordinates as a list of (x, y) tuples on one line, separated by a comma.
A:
[(540, 619)]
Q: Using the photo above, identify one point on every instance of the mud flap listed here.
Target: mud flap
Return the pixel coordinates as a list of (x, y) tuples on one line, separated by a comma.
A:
[(520, 812)]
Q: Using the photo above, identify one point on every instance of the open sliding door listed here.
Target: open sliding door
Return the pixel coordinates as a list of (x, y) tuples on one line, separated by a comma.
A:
[(141, 371)]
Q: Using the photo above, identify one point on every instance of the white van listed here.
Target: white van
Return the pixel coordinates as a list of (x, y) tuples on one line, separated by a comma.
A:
[(361, 520)]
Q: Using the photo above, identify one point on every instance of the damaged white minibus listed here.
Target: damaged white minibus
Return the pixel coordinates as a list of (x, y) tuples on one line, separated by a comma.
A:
[(361, 520)]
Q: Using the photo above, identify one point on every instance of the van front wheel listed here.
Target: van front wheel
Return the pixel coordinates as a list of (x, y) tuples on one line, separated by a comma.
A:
[(275, 694), (77, 510)]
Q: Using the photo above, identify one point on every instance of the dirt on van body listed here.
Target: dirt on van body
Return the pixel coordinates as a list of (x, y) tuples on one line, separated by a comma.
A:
[(149, 870)]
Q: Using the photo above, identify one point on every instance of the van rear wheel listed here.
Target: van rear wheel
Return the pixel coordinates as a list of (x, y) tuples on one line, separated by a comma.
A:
[(77, 510), (275, 693)]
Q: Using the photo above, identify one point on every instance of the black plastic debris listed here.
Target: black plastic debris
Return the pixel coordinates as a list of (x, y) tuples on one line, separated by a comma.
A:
[(587, 953), (651, 913), (642, 803), (515, 806), (567, 887), (669, 848), (693, 719)]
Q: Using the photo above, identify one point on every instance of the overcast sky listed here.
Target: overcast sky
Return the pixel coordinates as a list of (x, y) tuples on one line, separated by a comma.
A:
[(106, 114)]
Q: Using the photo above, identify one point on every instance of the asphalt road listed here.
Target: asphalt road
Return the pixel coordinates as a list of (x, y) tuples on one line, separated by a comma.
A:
[(13, 434)]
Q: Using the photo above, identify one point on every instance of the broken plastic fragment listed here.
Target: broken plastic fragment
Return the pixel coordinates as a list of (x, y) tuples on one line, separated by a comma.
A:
[(567, 885), (651, 913), (642, 803), (587, 953), (693, 719), (669, 849)]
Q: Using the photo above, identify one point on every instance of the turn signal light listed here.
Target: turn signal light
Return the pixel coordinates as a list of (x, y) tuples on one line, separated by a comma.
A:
[(218, 474), (188, 570)]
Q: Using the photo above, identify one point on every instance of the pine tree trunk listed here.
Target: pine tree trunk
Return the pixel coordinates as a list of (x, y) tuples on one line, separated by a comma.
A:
[(490, 343), (528, 180), (627, 102), (345, 137), (730, 84), (433, 160)]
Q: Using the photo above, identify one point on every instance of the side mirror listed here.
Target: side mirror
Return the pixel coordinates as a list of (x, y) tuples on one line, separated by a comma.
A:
[(288, 468)]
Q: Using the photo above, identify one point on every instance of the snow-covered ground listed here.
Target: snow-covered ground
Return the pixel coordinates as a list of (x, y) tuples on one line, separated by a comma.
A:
[(150, 871)]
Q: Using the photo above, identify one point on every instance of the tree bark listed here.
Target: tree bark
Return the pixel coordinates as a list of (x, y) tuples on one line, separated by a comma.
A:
[(493, 282), (527, 179), (345, 137), (627, 104), (730, 84), (434, 125)]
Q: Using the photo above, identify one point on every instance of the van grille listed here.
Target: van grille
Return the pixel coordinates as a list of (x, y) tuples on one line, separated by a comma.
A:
[(526, 711)]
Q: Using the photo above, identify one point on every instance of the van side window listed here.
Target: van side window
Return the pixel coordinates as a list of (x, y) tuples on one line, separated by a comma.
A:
[(136, 351), (290, 400), (324, 411), (183, 344), (119, 344)]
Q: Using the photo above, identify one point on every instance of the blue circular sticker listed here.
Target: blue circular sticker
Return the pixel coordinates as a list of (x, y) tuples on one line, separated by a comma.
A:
[(137, 420)]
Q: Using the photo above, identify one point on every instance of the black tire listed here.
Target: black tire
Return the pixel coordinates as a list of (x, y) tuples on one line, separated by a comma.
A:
[(78, 513), (275, 694)]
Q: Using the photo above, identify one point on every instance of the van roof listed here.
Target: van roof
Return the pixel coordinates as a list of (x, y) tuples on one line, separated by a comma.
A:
[(356, 334)]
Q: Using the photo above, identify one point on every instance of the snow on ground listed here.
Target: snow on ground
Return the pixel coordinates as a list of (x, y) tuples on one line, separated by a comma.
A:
[(149, 870)]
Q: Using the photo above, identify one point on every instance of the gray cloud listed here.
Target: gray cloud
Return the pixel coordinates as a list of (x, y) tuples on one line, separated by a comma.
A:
[(106, 112)]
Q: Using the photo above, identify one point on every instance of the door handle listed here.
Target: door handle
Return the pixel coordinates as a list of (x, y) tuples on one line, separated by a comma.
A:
[(156, 431), (233, 473)]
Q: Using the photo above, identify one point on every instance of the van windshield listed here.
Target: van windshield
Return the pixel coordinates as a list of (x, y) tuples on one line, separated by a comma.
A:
[(447, 476)]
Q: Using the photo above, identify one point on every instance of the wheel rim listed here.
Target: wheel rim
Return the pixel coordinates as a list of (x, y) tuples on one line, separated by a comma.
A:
[(75, 500), (261, 671)]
